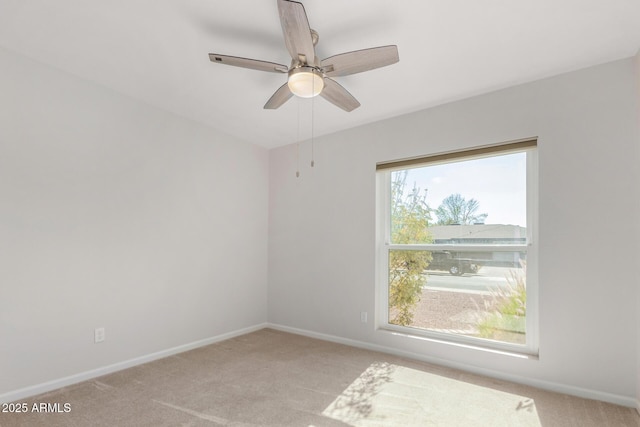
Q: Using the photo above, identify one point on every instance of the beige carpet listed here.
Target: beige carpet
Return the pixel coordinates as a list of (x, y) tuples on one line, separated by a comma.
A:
[(271, 378)]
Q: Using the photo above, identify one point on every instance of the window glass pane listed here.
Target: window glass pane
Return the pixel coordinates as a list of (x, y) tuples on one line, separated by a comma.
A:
[(477, 201), (477, 294), (470, 280)]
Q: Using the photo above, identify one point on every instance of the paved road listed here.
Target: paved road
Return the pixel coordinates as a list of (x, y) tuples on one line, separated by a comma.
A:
[(485, 280)]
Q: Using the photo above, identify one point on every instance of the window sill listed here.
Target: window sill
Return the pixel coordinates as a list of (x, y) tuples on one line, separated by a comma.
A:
[(525, 354)]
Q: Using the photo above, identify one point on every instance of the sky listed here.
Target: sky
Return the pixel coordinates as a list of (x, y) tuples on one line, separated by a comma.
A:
[(498, 183)]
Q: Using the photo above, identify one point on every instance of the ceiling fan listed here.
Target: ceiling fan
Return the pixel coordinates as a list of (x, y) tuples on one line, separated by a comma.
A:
[(307, 75)]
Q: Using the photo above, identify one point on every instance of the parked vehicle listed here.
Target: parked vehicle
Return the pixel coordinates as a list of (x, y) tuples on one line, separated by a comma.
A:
[(445, 261)]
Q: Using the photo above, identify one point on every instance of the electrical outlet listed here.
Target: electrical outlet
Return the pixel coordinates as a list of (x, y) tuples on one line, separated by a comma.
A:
[(363, 316), (99, 335)]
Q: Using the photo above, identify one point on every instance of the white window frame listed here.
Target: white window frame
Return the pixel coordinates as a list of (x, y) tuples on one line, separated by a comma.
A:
[(384, 246)]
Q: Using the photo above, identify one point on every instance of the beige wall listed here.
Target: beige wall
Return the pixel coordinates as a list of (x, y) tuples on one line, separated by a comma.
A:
[(114, 214)]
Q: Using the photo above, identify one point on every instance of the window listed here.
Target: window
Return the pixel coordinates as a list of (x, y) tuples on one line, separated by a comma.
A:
[(457, 249)]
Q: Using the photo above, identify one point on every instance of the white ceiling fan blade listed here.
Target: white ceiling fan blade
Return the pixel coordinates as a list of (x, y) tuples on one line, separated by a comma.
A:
[(358, 61), (281, 96), (339, 96), (253, 64), (296, 30)]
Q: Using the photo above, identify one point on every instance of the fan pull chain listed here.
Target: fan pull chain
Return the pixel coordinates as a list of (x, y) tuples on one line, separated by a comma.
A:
[(298, 144), (298, 160), (312, 129)]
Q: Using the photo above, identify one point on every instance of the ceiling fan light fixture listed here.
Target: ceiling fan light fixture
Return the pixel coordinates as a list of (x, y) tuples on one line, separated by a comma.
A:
[(305, 82)]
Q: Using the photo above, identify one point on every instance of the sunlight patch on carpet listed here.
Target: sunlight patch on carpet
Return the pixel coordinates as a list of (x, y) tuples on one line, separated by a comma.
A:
[(388, 395)]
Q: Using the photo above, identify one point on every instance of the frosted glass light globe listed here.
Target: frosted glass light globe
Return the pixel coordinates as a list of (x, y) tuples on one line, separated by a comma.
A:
[(305, 82)]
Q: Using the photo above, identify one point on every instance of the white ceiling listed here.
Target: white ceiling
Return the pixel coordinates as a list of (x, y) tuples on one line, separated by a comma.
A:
[(156, 52)]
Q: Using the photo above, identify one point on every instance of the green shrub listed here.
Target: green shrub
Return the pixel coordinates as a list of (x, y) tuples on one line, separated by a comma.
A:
[(506, 320)]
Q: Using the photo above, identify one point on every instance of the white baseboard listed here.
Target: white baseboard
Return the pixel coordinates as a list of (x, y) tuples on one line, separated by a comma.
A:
[(94, 373), (545, 385)]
